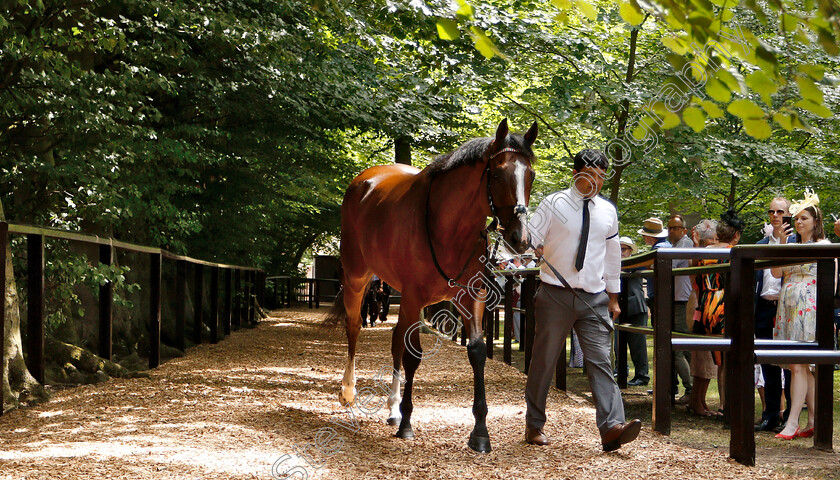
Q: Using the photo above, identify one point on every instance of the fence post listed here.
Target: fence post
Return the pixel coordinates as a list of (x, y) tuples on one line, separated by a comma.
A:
[(106, 302), (252, 297), (824, 378), (739, 326), (180, 304), (289, 292), (529, 287), (154, 310), (237, 298), (214, 305), (274, 288), (662, 349), (311, 291), (35, 307), (318, 294), (4, 244), (198, 303), (226, 311)]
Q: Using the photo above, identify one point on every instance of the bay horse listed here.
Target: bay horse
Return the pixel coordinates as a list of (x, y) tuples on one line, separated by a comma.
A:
[(414, 229)]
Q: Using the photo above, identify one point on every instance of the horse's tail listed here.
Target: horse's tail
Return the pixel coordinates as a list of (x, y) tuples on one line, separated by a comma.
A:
[(337, 316)]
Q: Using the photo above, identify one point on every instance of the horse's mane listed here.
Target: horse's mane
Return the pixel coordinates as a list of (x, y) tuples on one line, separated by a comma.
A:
[(473, 151)]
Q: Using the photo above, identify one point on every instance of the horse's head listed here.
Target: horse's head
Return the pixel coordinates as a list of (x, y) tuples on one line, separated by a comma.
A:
[(510, 177)]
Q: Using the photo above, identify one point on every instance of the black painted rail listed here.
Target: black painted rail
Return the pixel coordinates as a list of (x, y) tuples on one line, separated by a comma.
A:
[(238, 302)]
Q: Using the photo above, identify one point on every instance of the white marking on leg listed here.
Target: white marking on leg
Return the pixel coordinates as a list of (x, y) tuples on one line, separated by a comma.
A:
[(394, 398), (348, 383)]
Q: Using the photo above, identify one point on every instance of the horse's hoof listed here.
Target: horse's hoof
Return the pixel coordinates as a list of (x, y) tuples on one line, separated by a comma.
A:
[(405, 433), (479, 444), (394, 420), (343, 401)]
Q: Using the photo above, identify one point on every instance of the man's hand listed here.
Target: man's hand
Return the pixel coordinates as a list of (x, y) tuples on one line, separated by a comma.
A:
[(613, 307)]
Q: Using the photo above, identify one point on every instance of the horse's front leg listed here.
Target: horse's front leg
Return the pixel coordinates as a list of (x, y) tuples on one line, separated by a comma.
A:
[(477, 353)]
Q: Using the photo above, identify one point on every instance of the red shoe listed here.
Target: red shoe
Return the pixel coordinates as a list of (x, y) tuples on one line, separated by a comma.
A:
[(807, 433), (790, 437)]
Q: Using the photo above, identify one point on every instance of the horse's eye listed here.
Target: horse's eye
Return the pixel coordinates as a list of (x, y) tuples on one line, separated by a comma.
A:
[(496, 176)]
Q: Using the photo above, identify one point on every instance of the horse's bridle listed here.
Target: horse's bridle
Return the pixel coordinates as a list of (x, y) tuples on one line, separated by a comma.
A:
[(518, 209)]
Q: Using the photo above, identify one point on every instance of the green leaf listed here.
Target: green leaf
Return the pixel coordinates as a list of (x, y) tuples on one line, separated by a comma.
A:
[(711, 108), (817, 72), (675, 45), (789, 22), (745, 109), (562, 4), (483, 44), (783, 120), (808, 90), (671, 120), (448, 29), (466, 11), (630, 13), (815, 108), (757, 128), (727, 78), (694, 118), (587, 9), (760, 83), (718, 90)]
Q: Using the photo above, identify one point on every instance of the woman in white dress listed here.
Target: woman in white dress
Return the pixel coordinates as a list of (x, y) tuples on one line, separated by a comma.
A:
[(796, 317)]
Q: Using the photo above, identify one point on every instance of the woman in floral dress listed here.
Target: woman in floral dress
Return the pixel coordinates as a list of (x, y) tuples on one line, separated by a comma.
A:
[(796, 317)]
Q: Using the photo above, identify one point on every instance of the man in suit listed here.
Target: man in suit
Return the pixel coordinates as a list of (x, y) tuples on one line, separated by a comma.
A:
[(637, 316), (576, 233), (766, 304)]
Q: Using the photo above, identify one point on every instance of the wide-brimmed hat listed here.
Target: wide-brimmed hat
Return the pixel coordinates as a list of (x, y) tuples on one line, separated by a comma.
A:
[(653, 228), (629, 242)]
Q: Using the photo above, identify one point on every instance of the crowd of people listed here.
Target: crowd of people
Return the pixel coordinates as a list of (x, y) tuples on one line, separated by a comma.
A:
[(785, 309), (576, 233)]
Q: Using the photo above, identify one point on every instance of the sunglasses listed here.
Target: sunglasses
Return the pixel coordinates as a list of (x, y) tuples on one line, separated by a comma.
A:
[(777, 212)]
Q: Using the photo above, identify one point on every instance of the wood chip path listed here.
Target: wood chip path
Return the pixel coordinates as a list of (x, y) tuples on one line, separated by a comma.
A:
[(231, 410)]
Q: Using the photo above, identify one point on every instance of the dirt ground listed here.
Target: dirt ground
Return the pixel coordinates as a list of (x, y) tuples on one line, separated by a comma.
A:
[(263, 397)]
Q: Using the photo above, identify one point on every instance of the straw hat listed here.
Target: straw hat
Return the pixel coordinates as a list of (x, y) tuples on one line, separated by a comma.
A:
[(629, 242), (811, 200), (653, 228)]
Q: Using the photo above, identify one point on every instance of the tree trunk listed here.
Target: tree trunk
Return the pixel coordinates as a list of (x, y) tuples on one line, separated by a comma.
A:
[(402, 150), (18, 384), (623, 117)]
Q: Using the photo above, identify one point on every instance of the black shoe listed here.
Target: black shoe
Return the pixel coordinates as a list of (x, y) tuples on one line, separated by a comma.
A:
[(638, 381), (766, 425)]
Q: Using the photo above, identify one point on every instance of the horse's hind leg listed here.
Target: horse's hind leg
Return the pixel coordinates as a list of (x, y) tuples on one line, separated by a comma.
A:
[(412, 353), (354, 291)]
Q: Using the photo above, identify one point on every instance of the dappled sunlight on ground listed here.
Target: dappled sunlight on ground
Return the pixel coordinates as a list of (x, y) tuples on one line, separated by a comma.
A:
[(231, 410)]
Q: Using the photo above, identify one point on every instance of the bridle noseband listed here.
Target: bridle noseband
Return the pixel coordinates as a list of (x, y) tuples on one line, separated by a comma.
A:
[(495, 225)]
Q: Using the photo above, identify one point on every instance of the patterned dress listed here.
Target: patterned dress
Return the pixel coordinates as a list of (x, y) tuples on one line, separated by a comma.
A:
[(796, 317), (710, 304)]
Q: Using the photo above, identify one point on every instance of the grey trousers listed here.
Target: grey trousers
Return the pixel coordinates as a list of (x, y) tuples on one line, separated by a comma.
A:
[(557, 311), (682, 366)]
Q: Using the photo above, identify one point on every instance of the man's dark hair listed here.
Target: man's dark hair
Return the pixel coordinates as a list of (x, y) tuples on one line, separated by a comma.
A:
[(591, 158)]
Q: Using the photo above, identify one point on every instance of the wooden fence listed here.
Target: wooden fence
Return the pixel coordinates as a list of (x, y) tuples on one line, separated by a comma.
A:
[(244, 289)]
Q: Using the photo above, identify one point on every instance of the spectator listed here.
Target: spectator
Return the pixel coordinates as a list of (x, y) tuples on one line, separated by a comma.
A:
[(796, 317), (637, 316), (703, 369), (682, 291), (766, 306), (711, 295)]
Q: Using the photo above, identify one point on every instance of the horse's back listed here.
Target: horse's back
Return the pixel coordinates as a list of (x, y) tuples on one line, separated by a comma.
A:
[(380, 217)]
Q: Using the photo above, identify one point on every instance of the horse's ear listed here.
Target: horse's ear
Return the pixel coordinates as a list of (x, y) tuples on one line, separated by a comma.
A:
[(531, 134), (501, 134)]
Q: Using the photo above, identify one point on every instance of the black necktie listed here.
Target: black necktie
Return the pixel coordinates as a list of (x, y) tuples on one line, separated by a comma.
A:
[(584, 236)]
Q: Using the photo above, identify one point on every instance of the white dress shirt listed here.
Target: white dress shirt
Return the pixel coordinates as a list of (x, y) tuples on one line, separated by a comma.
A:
[(772, 285), (557, 226)]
